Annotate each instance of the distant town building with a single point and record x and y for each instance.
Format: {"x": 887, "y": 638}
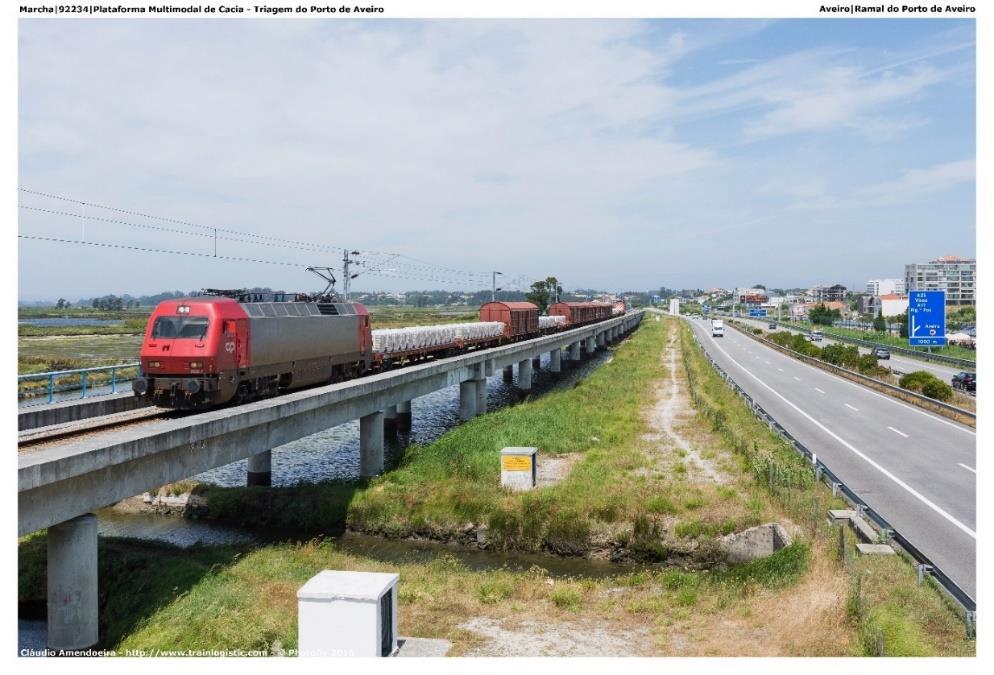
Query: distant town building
{"x": 885, "y": 287}
{"x": 822, "y": 293}
{"x": 751, "y": 296}
{"x": 887, "y": 305}
{"x": 952, "y": 274}
{"x": 799, "y": 312}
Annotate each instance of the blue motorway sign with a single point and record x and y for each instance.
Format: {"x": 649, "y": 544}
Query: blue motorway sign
{"x": 927, "y": 318}
{"x": 757, "y": 311}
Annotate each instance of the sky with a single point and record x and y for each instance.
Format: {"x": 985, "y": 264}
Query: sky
{"x": 613, "y": 154}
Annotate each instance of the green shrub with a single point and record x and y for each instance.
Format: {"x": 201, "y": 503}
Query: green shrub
{"x": 926, "y": 383}
{"x": 938, "y": 390}
{"x": 841, "y": 355}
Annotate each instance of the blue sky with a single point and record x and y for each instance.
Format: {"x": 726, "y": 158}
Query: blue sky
{"x": 611, "y": 153}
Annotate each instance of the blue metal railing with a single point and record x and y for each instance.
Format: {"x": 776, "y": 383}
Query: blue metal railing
{"x": 59, "y": 381}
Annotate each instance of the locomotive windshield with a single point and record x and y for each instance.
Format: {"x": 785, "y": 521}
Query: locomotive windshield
{"x": 180, "y": 327}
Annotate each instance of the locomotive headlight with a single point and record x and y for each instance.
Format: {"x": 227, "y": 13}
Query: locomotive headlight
{"x": 196, "y": 364}
{"x": 183, "y": 309}
{"x": 154, "y": 364}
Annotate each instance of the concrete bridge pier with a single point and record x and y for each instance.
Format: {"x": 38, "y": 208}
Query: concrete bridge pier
{"x": 525, "y": 375}
{"x": 591, "y": 347}
{"x": 574, "y": 351}
{"x": 488, "y": 368}
{"x": 467, "y": 400}
{"x": 404, "y": 417}
{"x": 509, "y": 374}
{"x": 371, "y": 444}
{"x": 481, "y": 395}
{"x": 73, "y": 614}
{"x": 555, "y": 361}
{"x": 390, "y": 419}
{"x": 260, "y": 469}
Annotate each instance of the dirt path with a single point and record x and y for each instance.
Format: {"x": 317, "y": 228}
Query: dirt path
{"x": 582, "y": 637}
{"x": 671, "y": 409}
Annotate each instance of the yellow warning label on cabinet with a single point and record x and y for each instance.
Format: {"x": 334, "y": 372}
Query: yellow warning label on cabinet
{"x": 516, "y": 463}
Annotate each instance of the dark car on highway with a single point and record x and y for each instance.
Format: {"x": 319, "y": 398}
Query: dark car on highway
{"x": 881, "y": 353}
{"x": 965, "y": 381}
{"x": 773, "y": 325}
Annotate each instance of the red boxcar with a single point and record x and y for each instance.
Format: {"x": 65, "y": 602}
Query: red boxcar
{"x": 519, "y": 318}
{"x": 579, "y": 313}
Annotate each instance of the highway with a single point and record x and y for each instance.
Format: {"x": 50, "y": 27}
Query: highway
{"x": 897, "y": 363}
{"x": 916, "y": 469}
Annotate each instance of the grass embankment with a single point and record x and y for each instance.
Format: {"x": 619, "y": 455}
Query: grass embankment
{"x": 954, "y": 351}
{"x": 621, "y": 499}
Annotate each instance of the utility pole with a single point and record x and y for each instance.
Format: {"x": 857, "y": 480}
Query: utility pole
{"x": 494, "y": 289}
{"x": 346, "y": 261}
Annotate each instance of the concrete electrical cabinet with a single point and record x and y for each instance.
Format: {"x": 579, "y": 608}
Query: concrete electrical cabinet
{"x": 518, "y": 468}
{"x": 348, "y": 614}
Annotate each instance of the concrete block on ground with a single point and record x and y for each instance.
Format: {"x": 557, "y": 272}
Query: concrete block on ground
{"x": 874, "y": 549}
{"x": 519, "y": 468}
{"x": 841, "y": 514}
{"x": 863, "y": 529}
{"x": 755, "y": 542}
{"x": 348, "y": 614}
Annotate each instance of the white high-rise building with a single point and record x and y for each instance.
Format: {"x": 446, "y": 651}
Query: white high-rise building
{"x": 880, "y": 287}
{"x": 954, "y": 275}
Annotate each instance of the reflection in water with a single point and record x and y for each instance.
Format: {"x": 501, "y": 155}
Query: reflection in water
{"x": 333, "y": 454}
{"x": 181, "y": 532}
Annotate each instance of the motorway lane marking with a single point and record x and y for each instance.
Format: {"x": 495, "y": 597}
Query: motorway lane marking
{"x": 797, "y": 378}
{"x": 780, "y": 369}
{"x": 898, "y": 432}
{"x": 890, "y": 399}
{"x": 819, "y": 390}
{"x": 851, "y": 407}
{"x": 917, "y": 495}
{"x": 968, "y": 468}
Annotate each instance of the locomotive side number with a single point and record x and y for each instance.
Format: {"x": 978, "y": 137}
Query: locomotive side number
{"x": 229, "y": 347}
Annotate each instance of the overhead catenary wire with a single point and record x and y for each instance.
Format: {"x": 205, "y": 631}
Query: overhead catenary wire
{"x": 392, "y": 265}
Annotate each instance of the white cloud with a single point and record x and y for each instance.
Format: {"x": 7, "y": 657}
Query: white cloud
{"x": 918, "y": 184}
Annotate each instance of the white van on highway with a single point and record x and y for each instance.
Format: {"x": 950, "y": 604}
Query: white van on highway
{"x": 717, "y": 328}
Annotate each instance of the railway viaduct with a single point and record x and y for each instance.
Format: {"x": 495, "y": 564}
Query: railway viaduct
{"x": 61, "y": 481}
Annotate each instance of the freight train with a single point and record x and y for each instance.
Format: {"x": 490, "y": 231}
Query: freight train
{"x": 234, "y": 346}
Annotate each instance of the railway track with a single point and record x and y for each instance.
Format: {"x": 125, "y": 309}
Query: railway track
{"x": 29, "y": 438}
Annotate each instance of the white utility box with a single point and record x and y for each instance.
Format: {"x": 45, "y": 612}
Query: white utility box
{"x": 348, "y": 614}
{"x": 519, "y": 468}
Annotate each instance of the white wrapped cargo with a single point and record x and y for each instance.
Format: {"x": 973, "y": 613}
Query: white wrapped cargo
{"x": 412, "y": 338}
{"x": 545, "y": 322}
